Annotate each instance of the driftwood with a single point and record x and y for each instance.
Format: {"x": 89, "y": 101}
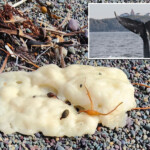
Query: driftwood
{"x": 19, "y": 3}
{"x": 16, "y": 32}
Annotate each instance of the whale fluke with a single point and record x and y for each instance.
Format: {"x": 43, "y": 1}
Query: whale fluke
{"x": 138, "y": 27}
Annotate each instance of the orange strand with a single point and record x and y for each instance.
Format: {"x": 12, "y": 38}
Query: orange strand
{"x": 96, "y": 113}
{"x": 140, "y": 84}
{"x": 138, "y": 108}
{"x": 112, "y": 110}
{"x": 88, "y": 93}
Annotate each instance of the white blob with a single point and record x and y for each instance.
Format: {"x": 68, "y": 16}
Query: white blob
{"x": 26, "y": 108}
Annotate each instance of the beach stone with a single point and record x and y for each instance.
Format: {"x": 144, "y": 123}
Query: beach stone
{"x": 48, "y": 3}
{"x": 117, "y": 147}
{"x": 146, "y": 98}
{"x": 147, "y": 127}
{"x": 145, "y": 137}
{"x": 61, "y": 1}
{"x": 148, "y": 90}
{"x": 71, "y": 50}
{"x": 28, "y": 30}
{"x": 73, "y": 25}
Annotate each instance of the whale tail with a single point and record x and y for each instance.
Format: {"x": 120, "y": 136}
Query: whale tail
{"x": 139, "y": 28}
{"x": 147, "y": 25}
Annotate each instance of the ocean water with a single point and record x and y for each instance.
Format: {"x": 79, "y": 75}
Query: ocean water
{"x": 115, "y": 45}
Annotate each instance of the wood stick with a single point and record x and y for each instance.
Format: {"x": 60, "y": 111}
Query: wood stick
{"x": 73, "y": 33}
{"x": 64, "y": 21}
{"x": 15, "y": 32}
{"x": 61, "y": 58}
{"x": 55, "y": 31}
{"x": 24, "y": 67}
{"x": 18, "y": 3}
{"x": 4, "y": 63}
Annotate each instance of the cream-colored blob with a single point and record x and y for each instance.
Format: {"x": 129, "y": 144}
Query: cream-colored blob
{"x": 25, "y": 107}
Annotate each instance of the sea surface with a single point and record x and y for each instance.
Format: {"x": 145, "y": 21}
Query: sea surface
{"x": 115, "y": 45}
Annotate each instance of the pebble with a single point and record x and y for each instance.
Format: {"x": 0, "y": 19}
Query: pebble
{"x": 28, "y": 30}
{"x": 133, "y": 133}
{"x": 117, "y": 146}
{"x": 38, "y": 135}
{"x": 48, "y": 3}
{"x": 61, "y": 1}
{"x": 146, "y": 98}
{"x": 147, "y": 127}
{"x": 71, "y": 50}
{"x": 148, "y": 90}
{"x": 144, "y": 137}
{"x": 138, "y": 113}
{"x": 73, "y": 25}
{"x": 104, "y": 134}
{"x": 59, "y": 148}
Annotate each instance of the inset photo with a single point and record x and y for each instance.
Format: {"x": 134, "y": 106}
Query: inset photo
{"x": 119, "y": 30}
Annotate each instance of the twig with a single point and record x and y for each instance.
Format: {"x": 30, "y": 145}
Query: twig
{"x": 73, "y": 33}
{"x": 28, "y": 60}
{"x": 10, "y": 51}
{"x": 16, "y": 61}
{"x": 67, "y": 43}
{"x": 48, "y": 45}
{"x": 4, "y": 63}
{"x": 23, "y": 67}
{"x": 19, "y": 3}
{"x": 17, "y": 19}
{"x": 55, "y": 31}
{"x": 64, "y": 21}
{"x": 84, "y": 27}
{"x": 46, "y": 25}
{"x": 61, "y": 58}
{"x": 42, "y": 53}
{"x": 23, "y": 57}
{"x": 15, "y": 32}
{"x": 4, "y": 51}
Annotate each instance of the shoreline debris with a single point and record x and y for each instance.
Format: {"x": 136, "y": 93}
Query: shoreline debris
{"x": 27, "y": 39}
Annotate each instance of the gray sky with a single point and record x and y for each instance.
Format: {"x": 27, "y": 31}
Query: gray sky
{"x": 101, "y": 11}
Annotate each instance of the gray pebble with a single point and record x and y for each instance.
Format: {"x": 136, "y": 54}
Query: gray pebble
{"x": 133, "y": 133}
{"x": 71, "y": 50}
{"x": 61, "y": 1}
{"x": 28, "y": 30}
{"x": 147, "y": 127}
{"x": 148, "y": 90}
{"x": 59, "y": 148}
